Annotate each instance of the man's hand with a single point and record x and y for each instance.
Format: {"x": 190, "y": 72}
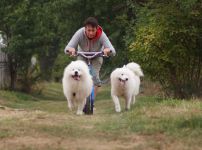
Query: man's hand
{"x": 72, "y": 51}
{"x": 106, "y": 51}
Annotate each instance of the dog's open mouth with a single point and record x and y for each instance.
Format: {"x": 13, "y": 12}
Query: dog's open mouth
{"x": 76, "y": 77}
{"x": 122, "y": 81}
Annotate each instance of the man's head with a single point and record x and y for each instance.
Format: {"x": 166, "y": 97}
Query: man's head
{"x": 91, "y": 25}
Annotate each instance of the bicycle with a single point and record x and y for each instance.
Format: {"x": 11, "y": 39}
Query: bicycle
{"x": 88, "y": 108}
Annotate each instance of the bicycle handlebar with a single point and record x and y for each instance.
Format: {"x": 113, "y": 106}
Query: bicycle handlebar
{"x": 90, "y": 55}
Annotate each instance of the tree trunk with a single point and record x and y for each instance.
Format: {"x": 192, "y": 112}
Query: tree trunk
{"x": 4, "y": 71}
{"x": 13, "y": 72}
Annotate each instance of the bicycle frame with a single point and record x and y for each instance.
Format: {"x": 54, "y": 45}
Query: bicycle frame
{"x": 89, "y": 56}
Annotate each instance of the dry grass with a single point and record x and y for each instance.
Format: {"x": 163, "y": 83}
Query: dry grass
{"x": 44, "y": 123}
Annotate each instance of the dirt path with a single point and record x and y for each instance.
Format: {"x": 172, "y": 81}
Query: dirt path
{"x": 41, "y": 141}
{"x": 23, "y": 138}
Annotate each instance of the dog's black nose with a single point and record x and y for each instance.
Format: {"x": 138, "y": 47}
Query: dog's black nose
{"x": 126, "y": 79}
{"x": 76, "y": 72}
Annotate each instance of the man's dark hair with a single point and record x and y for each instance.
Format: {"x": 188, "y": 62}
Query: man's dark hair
{"x": 91, "y": 21}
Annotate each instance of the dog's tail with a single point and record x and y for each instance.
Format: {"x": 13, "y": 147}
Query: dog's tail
{"x": 135, "y": 68}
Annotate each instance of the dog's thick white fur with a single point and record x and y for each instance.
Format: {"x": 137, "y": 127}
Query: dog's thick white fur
{"x": 125, "y": 83}
{"x": 77, "y": 84}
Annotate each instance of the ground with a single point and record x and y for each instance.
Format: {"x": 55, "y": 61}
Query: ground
{"x": 43, "y": 122}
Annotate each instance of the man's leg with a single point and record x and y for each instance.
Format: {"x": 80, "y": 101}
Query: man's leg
{"x": 97, "y": 63}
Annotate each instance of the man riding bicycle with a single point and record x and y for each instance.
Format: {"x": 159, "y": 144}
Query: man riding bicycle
{"x": 89, "y": 38}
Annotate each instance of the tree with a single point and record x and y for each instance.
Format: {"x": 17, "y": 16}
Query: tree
{"x": 30, "y": 30}
{"x": 168, "y": 44}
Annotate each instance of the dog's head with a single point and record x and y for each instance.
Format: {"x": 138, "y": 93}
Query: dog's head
{"x": 123, "y": 76}
{"x": 78, "y": 70}
{"x": 76, "y": 73}
{"x": 123, "y": 79}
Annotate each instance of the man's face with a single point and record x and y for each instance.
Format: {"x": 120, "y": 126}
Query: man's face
{"x": 90, "y": 31}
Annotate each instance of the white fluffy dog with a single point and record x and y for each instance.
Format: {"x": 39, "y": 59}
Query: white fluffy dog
{"x": 125, "y": 83}
{"x": 77, "y": 84}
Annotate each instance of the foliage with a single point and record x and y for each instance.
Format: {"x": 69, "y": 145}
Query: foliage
{"x": 167, "y": 44}
{"x": 19, "y": 24}
{"x": 60, "y": 63}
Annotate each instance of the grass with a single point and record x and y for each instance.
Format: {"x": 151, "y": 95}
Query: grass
{"x": 51, "y": 99}
{"x": 42, "y": 121}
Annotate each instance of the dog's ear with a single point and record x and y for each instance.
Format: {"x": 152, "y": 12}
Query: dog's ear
{"x": 71, "y": 62}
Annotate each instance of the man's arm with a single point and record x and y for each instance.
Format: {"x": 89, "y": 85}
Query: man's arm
{"x": 73, "y": 43}
{"x": 107, "y": 45}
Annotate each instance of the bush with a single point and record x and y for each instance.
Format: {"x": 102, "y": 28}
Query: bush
{"x": 168, "y": 44}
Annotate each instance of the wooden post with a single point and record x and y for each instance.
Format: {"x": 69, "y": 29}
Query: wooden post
{"x": 5, "y": 78}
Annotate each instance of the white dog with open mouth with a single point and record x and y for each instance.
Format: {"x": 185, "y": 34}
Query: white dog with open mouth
{"x": 77, "y": 84}
{"x": 125, "y": 83}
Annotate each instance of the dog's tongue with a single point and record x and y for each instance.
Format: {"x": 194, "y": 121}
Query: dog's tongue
{"x": 122, "y": 82}
{"x": 76, "y": 78}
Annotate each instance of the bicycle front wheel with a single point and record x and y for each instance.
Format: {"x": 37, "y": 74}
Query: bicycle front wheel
{"x": 88, "y": 109}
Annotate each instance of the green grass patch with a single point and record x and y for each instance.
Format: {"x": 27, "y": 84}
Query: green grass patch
{"x": 51, "y": 99}
{"x": 151, "y": 115}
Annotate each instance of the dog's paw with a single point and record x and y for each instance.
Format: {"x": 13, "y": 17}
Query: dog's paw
{"x": 117, "y": 109}
{"x": 79, "y": 112}
{"x": 70, "y": 108}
